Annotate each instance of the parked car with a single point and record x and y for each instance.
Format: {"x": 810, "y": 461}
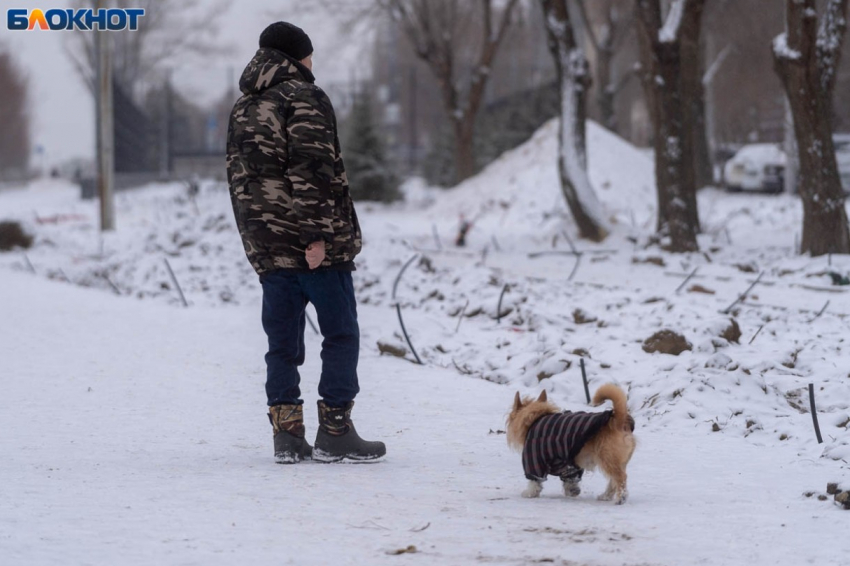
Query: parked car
{"x": 756, "y": 167}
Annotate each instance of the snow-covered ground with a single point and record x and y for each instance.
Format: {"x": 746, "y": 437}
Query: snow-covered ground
{"x": 135, "y": 429}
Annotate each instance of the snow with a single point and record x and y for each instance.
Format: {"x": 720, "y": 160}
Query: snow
{"x": 782, "y": 50}
{"x": 760, "y": 154}
{"x": 670, "y": 31}
{"x": 571, "y": 154}
{"x": 135, "y": 429}
{"x": 830, "y": 37}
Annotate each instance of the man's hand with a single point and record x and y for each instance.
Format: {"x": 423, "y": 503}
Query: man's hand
{"x": 315, "y": 254}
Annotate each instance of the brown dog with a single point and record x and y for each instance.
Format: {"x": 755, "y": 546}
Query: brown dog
{"x": 565, "y": 444}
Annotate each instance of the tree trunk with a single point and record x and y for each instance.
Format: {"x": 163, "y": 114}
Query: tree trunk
{"x": 433, "y": 28}
{"x": 693, "y": 91}
{"x": 693, "y": 97}
{"x": 647, "y": 80}
{"x": 573, "y": 81}
{"x": 673, "y": 144}
{"x": 806, "y": 65}
{"x": 605, "y": 86}
{"x": 464, "y": 134}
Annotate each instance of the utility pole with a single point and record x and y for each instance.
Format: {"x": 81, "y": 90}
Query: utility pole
{"x": 105, "y": 129}
{"x": 165, "y": 130}
{"x": 411, "y": 112}
{"x": 790, "y": 149}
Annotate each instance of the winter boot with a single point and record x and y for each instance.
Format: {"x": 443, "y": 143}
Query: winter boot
{"x": 289, "y": 443}
{"x": 337, "y": 439}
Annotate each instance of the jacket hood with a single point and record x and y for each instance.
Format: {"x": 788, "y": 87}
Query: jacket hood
{"x": 270, "y": 67}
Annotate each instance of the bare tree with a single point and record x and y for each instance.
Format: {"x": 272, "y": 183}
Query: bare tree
{"x": 573, "y": 82}
{"x": 607, "y": 26}
{"x": 440, "y": 30}
{"x": 169, "y": 29}
{"x": 14, "y": 115}
{"x": 693, "y": 96}
{"x": 661, "y": 74}
{"x": 806, "y": 58}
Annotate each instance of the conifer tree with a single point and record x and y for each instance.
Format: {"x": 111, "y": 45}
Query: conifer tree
{"x": 369, "y": 174}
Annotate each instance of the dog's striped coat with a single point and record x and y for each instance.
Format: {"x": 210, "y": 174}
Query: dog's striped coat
{"x": 555, "y": 440}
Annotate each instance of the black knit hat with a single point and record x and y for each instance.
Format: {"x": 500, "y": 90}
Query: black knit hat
{"x": 290, "y": 39}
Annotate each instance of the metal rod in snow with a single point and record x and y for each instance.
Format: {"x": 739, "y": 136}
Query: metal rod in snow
{"x": 535, "y": 255}
{"x": 688, "y": 278}
{"x": 401, "y": 272}
{"x": 499, "y": 306}
{"x": 312, "y": 324}
{"x": 743, "y": 295}
{"x": 436, "y": 237}
{"x": 584, "y": 379}
{"x": 820, "y": 312}
{"x": 756, "y": 334}
{"x": 406, "y": 337}
{"x": 575, "y": 267}
{"x": 570, "y": 242}
{"x": 29, "y": 264}
{"x": 111, "y": 284}
{"x": 460, "y": 316}
{"x": 398, "y": 308}
{"x": 176, "y": 283}
{"x": 814, "y": 412}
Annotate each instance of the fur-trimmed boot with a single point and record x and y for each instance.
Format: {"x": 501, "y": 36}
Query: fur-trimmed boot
{"x": 290, "y": 446}
{"x": 337, "y": 439}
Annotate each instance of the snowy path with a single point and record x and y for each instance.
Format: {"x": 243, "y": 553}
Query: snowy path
{"x": 135, "y": 433}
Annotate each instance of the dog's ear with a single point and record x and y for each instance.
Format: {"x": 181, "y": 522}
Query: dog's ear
{"x": 517, "y": 402}
{"x": 542, "y": 397}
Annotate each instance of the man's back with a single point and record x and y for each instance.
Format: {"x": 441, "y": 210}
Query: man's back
{"x": 287, "y": 179}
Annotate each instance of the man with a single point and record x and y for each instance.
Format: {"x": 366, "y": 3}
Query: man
{"x": 297, "y": 221}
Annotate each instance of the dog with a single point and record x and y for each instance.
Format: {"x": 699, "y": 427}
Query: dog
{"x": 566, "y": 444}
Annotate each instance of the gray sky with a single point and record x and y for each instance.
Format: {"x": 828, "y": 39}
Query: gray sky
{"x": 63, "y": 110}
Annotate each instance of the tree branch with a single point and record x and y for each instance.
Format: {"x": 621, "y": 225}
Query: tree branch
{"x": 829, "y": 42}
{"x": 714, "y": 68}
{"x": 594, "y": 41}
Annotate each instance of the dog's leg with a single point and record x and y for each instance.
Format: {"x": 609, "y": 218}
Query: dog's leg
{"x": 571, "y": 488}
{"x": 616, "y": 490}
{"x": 609, "y": 492}
{"x": 533, "y": 490}
{"x": 621, "y": 493}
{"x": 570, "y": 480}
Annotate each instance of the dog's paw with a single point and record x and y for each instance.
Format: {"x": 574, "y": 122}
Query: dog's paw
{"x": 572, "y": 489}
{"x": 533, "y": 490}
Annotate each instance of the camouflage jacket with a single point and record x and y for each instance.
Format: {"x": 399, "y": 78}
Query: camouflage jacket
{"x": 287, "y": 181}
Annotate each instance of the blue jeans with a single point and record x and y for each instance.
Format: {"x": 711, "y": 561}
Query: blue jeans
{"x": 285, "y": 296}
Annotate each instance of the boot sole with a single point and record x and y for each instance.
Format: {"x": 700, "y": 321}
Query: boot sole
{"x": 324, "y": 458}
{"x": 287, "y": 459}
{"x": 292, "y": 458}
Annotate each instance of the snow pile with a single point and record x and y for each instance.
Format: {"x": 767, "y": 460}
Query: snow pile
{"x": 517, "y": 306}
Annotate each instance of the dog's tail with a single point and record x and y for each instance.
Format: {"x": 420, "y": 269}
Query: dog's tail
{"x": 611, "y": 392}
